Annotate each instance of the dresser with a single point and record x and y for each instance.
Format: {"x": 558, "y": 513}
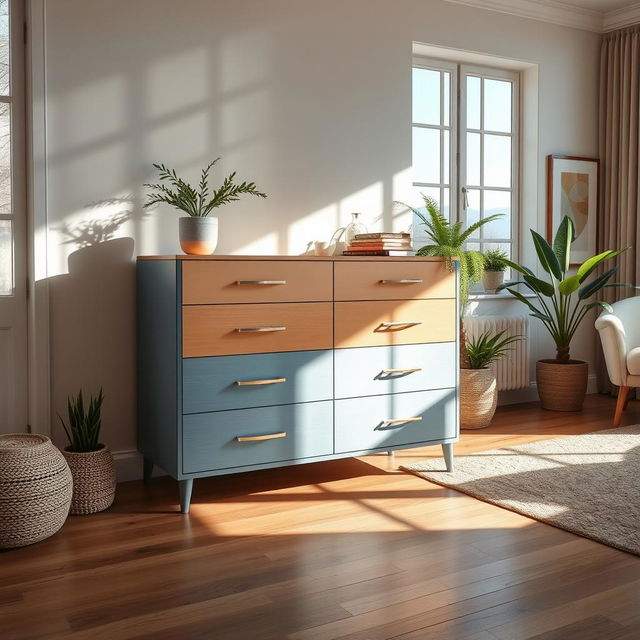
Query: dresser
{"x": 250, "y": 362}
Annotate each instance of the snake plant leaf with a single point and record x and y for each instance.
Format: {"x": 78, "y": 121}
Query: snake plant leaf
{"x": 597, "y": 284}
{"x": 562, "y": 242}
{"x": 588, "y": 266}
{"x": 540, "y": 286}
{"x": 569, "y": 285}
{"x": 546, "y": 255}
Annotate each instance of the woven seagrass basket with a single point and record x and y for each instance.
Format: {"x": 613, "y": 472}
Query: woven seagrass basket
{"x": 35, "y": 489}
{"x": 478, "y": 397}
{"x": 562, "y": 386}
{"x": 94, "y": 480}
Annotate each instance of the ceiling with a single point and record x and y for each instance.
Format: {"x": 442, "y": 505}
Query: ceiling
{"x": 591, "y": 15}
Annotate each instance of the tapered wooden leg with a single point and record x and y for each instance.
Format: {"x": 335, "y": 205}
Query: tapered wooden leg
{"x": 447, "y": 452}
{"x": 623, "y": 395}
{"x": 147, "y": 470}
{"x": 626, "y": 402}
{"x": 185, "y": 487}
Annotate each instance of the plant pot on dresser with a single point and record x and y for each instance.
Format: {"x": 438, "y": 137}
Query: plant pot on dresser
{"x": 248, "y": 363}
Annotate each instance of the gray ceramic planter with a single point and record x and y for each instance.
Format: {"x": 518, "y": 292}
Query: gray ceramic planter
{"x": 198, "y": 236}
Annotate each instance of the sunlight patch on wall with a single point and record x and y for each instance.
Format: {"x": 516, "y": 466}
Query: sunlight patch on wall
{"x": 264, "y": 246}
{"x": 318, "y": 225}
{"x": 244, "y": 60}
{"x": 369, "y": 202}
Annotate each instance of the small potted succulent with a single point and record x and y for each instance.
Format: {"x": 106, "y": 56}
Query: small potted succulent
{"x": 90, "y": 461}
{"x": 198, "y": 229}
{"x": 495, "y": 264}
{"x": 478, "y": 386}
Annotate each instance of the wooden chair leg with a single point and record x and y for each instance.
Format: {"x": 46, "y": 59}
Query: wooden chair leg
{"x": 626, "y": 402}
{"x": 623, "y": 395}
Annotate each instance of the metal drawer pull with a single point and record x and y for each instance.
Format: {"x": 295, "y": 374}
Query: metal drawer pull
{"x": 253, "y": 383}
{"x": 259, "y": 329}
{"x": 392, "y": 371}
{"x": 261, "y": 282}
{"x": 267, "y": 436}
{"x": 402, "y": 281}
{"x": 402, "y": 420}
{"x": 400, "y": 323}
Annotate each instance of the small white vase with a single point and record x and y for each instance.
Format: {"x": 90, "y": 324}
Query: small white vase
{"x": 491, "y": 280}
{"x": 198, "y": 236}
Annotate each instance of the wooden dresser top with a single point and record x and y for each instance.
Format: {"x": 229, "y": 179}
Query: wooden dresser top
{"x": 302, "y": 257}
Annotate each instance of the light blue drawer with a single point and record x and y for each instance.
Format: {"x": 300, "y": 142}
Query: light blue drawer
{"x": 361, "y": 371}
{"x": 360, "y": 422}
{"x": 210, "y": 440}
{"x": 210, "y": 384}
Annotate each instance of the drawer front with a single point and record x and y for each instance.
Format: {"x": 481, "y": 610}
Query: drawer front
{"x": 249, "y": 281}
{"x": 211, "y": 384}
{"x": 211, "y": 330}
{"x": 385, "y": 323}
{"x": 361, "y": 423}
{"x": 210, "y": 440}
{"x": 380, "y": 280}
{"x": 371, "y": 371}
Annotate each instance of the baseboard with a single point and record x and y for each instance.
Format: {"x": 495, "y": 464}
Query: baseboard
{"x": 530, "y": 393}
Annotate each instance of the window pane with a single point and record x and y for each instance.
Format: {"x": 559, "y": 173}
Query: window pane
{"x": 473, "y": 158}
{"x": 497, "y": 161}
{"x": 497, "y": 202}
{"x": 6, "y": 258}
{"x": 473, "y": 102}
{"x": 473, "y": 246}
{"x": 445, "y": 157}
{"x": 4, "y": 47}
{"x": 426, "y": 96}
{"x": 497, "y": 105}
{"x": 417, "y": 202}
{"x": 446, "y": 207}
{"x": 447, "y": 90}
{"x": 5, "y": 158}
{"x": 473, "y": 209}
{"x": 426, "y": 155}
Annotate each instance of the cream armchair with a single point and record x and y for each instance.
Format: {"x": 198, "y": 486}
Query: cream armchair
{"x": 620, "y": 336}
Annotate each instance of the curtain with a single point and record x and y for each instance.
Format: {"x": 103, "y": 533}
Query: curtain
{"x": 619, "y": 143}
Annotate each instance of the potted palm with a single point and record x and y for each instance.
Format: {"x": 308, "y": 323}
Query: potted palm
{"x": 91, "y": 462}
{"x": 198, "y": 229}
{"x": 561, "y": 303}
{"x": 494, "y": 267}
{"x": 478, "y": 387}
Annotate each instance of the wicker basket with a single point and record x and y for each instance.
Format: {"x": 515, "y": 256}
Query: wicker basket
{"x": 478, "y": 397}
{"x": 562, "y": 387}
{"x": 94, "y": 480}
{"x": 35, "y": 489}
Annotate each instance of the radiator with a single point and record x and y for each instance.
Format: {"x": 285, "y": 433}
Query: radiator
{"x": 512, "y": 371}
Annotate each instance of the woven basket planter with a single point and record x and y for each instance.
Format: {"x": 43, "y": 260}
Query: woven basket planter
{"x": 562, "y": 387}
{"x": 94, "y": 480}
{"x": 35, "y": 489}
{"x": 478, "y": 398}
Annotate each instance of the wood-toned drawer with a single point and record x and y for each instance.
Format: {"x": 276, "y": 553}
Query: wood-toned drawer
{"x": 381, "y": 280}
{"x": 211, "y": 330}
{"x": 246, "y": 437}
{"x": 383, "y": 422}
{"x": 383, "y": 323}
{"x": 256, "y": 380}
{"x": 371, "y": 371}
{"x": 250, "y": 281}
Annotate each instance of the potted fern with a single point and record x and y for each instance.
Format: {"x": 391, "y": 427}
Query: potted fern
{"x": 91, "y": 462}
{"x": 494, "y": 267}
{"x": 198, "y": 229}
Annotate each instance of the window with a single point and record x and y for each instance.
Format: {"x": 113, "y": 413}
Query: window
{"x": 465, "y": 137}
{"x": 6, "y": 209}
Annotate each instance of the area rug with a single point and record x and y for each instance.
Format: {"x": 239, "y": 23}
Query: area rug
{"x": 588, "y": 484}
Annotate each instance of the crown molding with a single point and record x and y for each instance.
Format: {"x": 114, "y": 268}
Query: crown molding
{"x": 620, "y": 18}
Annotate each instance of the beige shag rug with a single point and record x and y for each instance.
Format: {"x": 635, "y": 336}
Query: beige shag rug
{"x": 588, "y": 484}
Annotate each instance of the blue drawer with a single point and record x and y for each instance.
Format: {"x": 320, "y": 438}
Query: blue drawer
{"x": 369, "y": 371}
{"x": 210, "y": 384}
{"x": 210, "y": 440}
{"x": 360, "y": 423}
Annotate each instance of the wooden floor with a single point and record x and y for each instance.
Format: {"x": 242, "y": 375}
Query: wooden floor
{"x": 349, "y": 549}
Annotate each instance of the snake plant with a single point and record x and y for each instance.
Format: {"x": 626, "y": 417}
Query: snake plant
{"x": 83, "y": 429}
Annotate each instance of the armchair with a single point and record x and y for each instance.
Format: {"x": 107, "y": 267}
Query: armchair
{"x": 620, "y": 336}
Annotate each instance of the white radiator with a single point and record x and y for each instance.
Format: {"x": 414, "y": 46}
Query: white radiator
{"x": 512, "y": 371}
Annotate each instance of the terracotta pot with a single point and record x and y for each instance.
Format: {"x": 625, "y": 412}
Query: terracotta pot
{"x": 562, "y": 387}
{"x": 478, "y": 398}
{"x": 198, "y": 236}
{"x": 491, "y": 280}
{"x": 94, "y": 480}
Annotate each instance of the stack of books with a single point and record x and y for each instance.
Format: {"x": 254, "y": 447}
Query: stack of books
{"x": 380, "y": 244}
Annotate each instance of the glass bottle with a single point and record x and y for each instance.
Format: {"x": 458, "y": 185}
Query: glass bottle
{"x": 353, "y": 228}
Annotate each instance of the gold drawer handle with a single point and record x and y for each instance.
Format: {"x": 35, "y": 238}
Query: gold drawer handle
{"x": 397, "y": 371}
{"x": 267, "y": 436}
{"x": 402, "y": 281}
{"x": 400, "y": 323}
{"x": 402, "y": 420}
{"x": 253, "y": 383}
{"x": 261, "y": 282}
{"x": 259, "y": 329}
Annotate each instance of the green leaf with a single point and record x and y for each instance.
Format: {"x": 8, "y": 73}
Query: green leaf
{"x": 588, "y": 266}
{"x": 604, "y": 305}
{"x": 546, "y": 255}
{"x": 597, "y": 284}
{"x": 540, "y": 286}
{"x": 541, "y": 316}
{"x": 517, "y": 294}
{"x": 519, "y": 268}
{"x": 562, "y": 242}
{"x": 569, "y": 285}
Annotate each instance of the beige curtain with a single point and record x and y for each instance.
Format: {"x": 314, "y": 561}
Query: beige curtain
{"x": 619, "y": 138}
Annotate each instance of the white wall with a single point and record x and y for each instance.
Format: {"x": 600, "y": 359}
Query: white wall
{"x": 311, "y": 99}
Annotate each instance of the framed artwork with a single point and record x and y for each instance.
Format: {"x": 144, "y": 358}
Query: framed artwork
{"x": 572, "y": 190}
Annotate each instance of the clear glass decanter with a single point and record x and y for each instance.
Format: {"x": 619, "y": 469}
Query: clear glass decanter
{"x": 353, "y": 228}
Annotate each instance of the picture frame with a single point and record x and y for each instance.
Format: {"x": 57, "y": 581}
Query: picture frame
{"x": 572, "y": 189}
